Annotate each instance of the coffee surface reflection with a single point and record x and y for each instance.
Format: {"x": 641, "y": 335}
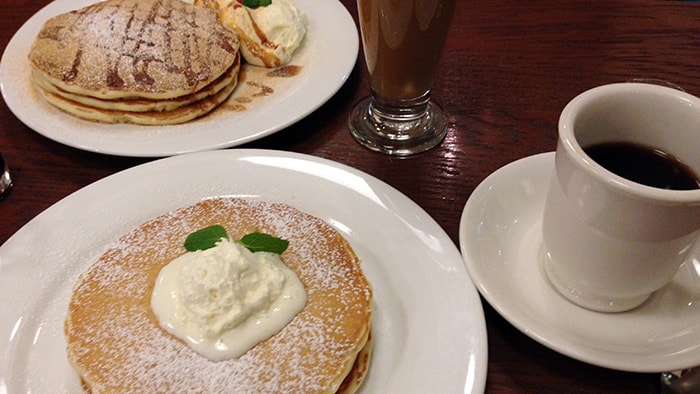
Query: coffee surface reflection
{"x": 644, "y": 164}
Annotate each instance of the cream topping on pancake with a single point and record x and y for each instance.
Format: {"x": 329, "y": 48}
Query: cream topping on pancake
{"x": 223, "y": 300}
{"x": 269, "y": 34}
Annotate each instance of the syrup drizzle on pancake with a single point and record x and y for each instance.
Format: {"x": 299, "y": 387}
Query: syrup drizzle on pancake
{"x": 131, "y": 46}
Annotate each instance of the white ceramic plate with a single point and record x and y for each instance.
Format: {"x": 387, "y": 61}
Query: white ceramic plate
{"x": 500, "y": 241}
{"x": 428, "y": 321}
{"x": 327, "y": 56}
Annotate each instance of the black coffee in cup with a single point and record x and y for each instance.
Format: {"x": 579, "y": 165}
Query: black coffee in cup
{"x": 643, "y": 164}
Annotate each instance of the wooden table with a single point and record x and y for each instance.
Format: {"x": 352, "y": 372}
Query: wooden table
{"x": 509, "y": 68}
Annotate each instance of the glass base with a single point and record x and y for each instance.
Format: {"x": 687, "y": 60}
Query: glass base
{"x": 5, "y": 180}
{"x": 397, "y": 135}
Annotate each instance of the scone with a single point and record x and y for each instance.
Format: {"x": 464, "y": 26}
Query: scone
{"x": 137, "y": 61}
{"x": 115, "y": 342}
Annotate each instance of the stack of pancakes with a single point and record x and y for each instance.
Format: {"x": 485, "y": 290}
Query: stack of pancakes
{"x": 116, "y": 344}
{"x": 147, "y": 62}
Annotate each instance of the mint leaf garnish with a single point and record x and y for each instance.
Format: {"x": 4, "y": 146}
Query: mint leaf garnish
{"x": 256, "y": 3}
{"x": 205, "y": 238}
{"x": 209, "y": 236}
{"x": 259, "y": 242}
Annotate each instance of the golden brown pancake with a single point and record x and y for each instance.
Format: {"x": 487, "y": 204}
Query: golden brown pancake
{"x": 128, "y": 60}
{"x": 227, "y": 80}
{"x": 156, "y": 49}
{"x": 358, "y": 373}
{"x": 168, "y": 111}
{"x": 116, "y": 345}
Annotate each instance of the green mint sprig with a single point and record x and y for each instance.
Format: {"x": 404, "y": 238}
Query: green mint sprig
{"x": 256, "y": 3}
{"x": 205, "y": 238}
{"x": 208, "y": 237}
{"x": 259, "y": 242}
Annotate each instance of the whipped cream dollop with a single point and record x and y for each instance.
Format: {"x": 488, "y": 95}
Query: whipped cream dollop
{"x": 224, "y": 300}
{"x": 271, "y": 34}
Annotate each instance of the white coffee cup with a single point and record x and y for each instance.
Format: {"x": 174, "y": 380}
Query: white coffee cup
{"x": 610, "y": 242}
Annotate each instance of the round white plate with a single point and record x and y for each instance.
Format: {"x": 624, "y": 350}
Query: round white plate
{"x": 327, "y": 57}
{"x": 500, "y": 241}
{"x": 428, "y": 321}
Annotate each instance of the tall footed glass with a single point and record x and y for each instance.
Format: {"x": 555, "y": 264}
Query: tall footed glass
{"x": 402, "y": 42}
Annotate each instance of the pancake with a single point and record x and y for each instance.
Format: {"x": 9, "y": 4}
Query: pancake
{"x": 227, "y": 80}
{"x": 116, "y": 345}
{"x": 354, "y": 379}
{"x": 166, "y": 112}
{"x": 152, "y": 62}
{"x": 116, "y": 49}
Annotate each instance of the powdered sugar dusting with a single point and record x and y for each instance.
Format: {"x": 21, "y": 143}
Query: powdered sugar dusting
{"x": 112, "y": 332}
{"x": 133, "y": 48}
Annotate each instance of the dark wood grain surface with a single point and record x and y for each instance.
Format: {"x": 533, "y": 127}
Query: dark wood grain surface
{"x": 508, "y": 69}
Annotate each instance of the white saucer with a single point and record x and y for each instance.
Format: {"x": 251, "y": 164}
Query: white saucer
{"x": 500, "y": 242}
